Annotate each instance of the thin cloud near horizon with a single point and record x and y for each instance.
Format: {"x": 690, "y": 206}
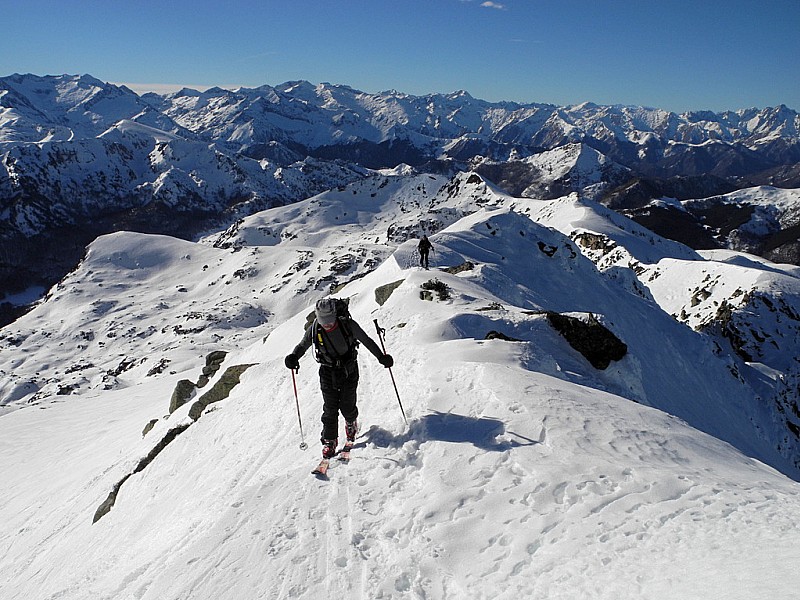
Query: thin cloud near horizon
{"x": 488, "y": 4}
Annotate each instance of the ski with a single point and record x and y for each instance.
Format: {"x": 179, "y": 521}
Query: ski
{"x": 322, "y": 468}
{"x": 344, "y": 453}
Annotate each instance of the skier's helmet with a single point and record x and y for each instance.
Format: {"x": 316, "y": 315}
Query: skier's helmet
{"x": 326, "y": 312}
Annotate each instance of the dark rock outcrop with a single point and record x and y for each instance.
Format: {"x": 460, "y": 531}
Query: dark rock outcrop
{"x": 219, "y": 391}
{"x": 383, "y": 292}
{"x": 596, "y": 343}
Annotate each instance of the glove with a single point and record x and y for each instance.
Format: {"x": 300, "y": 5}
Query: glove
{"x": 386, "y": 360}
{"x": 292, "y": 362}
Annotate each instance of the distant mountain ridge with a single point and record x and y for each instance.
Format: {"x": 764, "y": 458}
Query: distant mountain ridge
{"x": 80, "y": 157}
{"x": 300, "y": 114}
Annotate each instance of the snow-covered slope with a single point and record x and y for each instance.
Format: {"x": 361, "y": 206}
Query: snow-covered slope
{"x": 762, "y": 220}
{"x": 577, "y": 168}
{"x": 69, "y": 107}
{"x": 523, "y": 471}
{"x": 141, "y": 302}
{"x": 748, "y": 305}
{"x": 132, "y": 167}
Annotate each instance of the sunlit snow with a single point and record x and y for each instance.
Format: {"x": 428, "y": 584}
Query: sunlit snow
{"x": 524, "y": 472}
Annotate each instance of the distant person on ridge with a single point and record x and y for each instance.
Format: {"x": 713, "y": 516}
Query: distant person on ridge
{"x": 424, "y": 247}
{"x": 335, "y": 336}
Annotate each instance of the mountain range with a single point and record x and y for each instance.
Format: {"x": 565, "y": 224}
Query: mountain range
{"x": 80, "y": 158}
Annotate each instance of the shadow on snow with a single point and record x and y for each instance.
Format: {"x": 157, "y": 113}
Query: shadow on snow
{"x": 481, "y": 432}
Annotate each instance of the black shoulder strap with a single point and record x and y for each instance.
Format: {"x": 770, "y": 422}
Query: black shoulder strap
{"x": 344, "y": 323}
{"x": 326, "y": 354}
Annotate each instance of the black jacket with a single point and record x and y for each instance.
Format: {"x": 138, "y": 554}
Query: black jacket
{"x": 337, "y": 340}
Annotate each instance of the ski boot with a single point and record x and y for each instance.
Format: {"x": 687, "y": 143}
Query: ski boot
{"x": 329, "y": 448}
{"x": 351, "y": 430}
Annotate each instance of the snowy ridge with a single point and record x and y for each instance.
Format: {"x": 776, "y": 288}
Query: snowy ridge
{"x": 773, "y": 212}
{"x": 573, "y": 168}
{"x": 236, "y": 283}
{"x": 523, "y": 472}
{"x": 131, "y": 165}
{"x": 314, "y": 116}
{"x": 744, "y": 303}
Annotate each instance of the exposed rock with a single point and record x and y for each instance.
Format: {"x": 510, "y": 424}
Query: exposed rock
{"x": 638, "y": 192}
{"x": 467, "y": 266}
{"x": 159, "y": 368}
{"x": 149, "y": 427}
{"x": 547, "y": 249}
{"x": 596, "y": 343}
{"x": 213, "y": 363}
{"x": 221, "y": 390}
{"x": 383, "y": 292}
{"x": 595, "y": 241}
{"x": 108, "y": 503}
{"x": 184, "y": 390}
{"x": 496, "y": 335}
{"x": 434, "y": 285}
{"x": 490, "y": 307}
{"x": 125, "y": 365}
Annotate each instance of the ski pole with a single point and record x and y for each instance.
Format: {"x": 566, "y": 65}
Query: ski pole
{"x": 383, "y": 347}
{"x": 303, "y": 445}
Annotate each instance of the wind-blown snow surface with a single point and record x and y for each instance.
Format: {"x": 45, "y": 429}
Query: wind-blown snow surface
{"x": 522, "y": 473}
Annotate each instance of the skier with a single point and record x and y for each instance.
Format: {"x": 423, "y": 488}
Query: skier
{"x": 335, "y": 336}
{"x": 424, "y": 247}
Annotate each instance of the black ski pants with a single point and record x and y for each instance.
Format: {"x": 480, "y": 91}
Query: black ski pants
{"x": 339, "y": 387}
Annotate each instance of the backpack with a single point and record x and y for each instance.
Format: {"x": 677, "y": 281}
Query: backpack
{"x": 324, "y": 353}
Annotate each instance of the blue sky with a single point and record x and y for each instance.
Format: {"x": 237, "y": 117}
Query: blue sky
{"x": 673, "y": 54}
